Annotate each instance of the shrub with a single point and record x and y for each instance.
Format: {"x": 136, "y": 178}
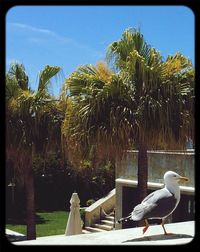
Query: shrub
{"x": 90, "y": 202}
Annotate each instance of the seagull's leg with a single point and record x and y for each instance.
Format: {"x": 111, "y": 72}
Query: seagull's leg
{"x": 146, "y": 226}
{"x": 163, "y": 222}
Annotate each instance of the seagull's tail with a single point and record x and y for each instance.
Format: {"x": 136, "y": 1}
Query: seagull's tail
{"x": 125, "y": 219}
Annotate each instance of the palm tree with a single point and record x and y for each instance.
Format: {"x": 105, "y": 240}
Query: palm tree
{"x": 95, "y": 94}
{"x": 160, "y": 90}
{"x": 146, "y": 103}
{"x": 29, "y": 119}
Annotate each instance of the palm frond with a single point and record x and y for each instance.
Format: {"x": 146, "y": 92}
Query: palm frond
{"x": 17, "y": 71}
{"x": 45, "y": 77}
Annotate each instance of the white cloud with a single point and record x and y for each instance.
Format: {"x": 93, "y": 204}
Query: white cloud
{"x": 49, "y": 33}
{"x": 37, "y": 38}
{"x": 40, "y": 31}
{"x": 31, "y": 28}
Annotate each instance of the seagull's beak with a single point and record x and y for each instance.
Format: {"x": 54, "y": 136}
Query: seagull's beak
{"x": 183, "y": 179}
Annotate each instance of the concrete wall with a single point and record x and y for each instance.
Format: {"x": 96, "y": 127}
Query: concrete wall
{"x": 159, "y": 162}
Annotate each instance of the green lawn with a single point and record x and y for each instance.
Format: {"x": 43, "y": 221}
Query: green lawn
{"x": 53, "y": 223}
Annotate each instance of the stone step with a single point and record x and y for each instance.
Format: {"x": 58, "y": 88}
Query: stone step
{"x": 111, "y": 218}
{"x": 103, "y": 227}
{"x": 94, "y": 229}
{"x": 84, "y": 231}
{"x": 107, "y": 222}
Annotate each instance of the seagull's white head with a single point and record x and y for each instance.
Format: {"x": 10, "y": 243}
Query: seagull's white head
{"x": 171, "y": 177}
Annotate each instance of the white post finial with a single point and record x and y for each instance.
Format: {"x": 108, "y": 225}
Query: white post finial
{"x": 74, "y": 223}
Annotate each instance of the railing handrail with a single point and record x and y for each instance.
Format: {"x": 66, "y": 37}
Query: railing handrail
{"x": 93, "y": 212}
{"x": 152, "y": 185}
{"x": 99, "y": 202}
{"x": 168, "y": 152}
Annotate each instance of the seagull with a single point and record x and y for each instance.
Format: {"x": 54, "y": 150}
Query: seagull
{"x": 160, "y": 203}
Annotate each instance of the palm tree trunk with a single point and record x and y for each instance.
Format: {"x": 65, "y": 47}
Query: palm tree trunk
{"x": 30, "y": 204}
{"x": 142, "y": 174}
{"x": 142, "y": 171}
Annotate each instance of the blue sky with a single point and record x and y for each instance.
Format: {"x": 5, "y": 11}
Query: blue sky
{"x": 69, "y": 36}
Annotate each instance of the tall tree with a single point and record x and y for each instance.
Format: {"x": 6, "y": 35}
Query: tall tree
{"x": 160, "y": 89}
{"x": 145, "y": 103}
{"x": 29, "y": 119}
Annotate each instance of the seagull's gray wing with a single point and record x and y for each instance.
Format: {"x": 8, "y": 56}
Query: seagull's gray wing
{"x": 158, "y": 204}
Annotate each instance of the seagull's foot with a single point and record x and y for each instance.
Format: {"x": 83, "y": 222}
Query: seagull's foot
{"x": 146, "y": 226}
{"x": 145, "y": 229}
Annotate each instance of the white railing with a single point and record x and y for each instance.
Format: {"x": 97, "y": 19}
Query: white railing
{"x": 94, "y": 212}
{"x": 188, "y": 190}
